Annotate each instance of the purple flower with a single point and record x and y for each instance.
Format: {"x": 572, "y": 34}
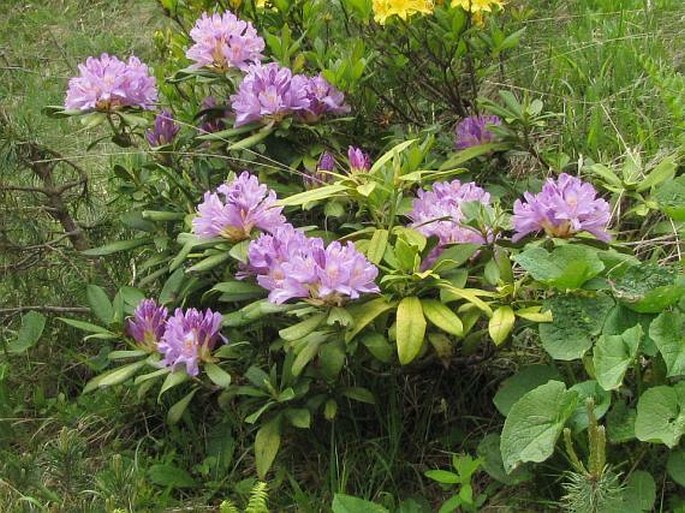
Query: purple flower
{"x": 322, "y": 174}
{"x": 269, "y": 92}
{"x": 222, "y": 41}
{"x": 213, "y": 120}
{"x": 291, "y": 265}
{"x": 164, "y": 131}
{"x": 473, "y": 131}
{"x": 246, "y": 204}
{"x": 106, "y": 84}
{"x": 438, "y": 212}
{"x": 323, "y": 99}
{"x": 563, "y": 208}
{"x": 359, "y": 161}
{"x": 189, "y": 338}
{"x": 148, "y": 324}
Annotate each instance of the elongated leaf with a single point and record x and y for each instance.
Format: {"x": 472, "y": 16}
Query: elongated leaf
{"x": 441, "y": 316}
{"x": 99, "y": 303}
{"x": 307, "y": 353}
{"x": 360, "y": 394}
{"x": 210, "y": 262}
{"x": 381, "y": 161}
{"x": 174, "y": 378}
{"x": 348, "y": 504}
{"x": 238, "y": 290}
{"x": 411, "y": 329}
{"x": 303, "y": 328}
{"x": 470, "y": 295}
{"x": 114, "y": 376}
{"x": 364, "y": 313}
{"x": 501, "y": 323}
{"x": 219, "y": 376}
{"x": 85, "y": 326}
{"x": 32, "y": 326}
{"x": 171, "y": 476}
{"x": 318, "y": 194}
{"x": 116, "y": 247}
{"x": 377, "y": 245}
{"x": 178, "y": 409}
{"x": 267, "y": 443}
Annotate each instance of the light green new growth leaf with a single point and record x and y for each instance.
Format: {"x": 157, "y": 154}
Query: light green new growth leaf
{"x": 501, "y": 323}
{"x": 411, "y": 329}
{"x": 441, "y": 316}
{"x": 535, "y": 423}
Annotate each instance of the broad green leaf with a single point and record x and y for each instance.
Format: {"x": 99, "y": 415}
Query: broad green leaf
{"x": 266, "y": 445}
{"x": 662, "y": 172}
{"x": 567, "y": 267}
{"x": 501, "y": 323}
{"x": 612, "y": 356}
{"x": 299, "y": 417}
{"x": 99, "y": 303}
{"x": 219, "y": 376}
{"x": 518, "y": 385}
{"x": 332, "y": 359}
{"x": 365, "y": 313}
{"x": 32, "y": 326}
{"x": 171, "y": 476}
{"x": 640, "y": 490}
{"x": 576, "y": 319}
{"x": 302, "y": 328}
{"x": 648, "y": 287}
{"x": 411, "y": 329}
{"x": 378, "y": 346}
{"x": 676, "y": 466}
{"x": 661, "y": 415}
{"x": 318, "y": 194}
{"x": 455, "y": 255}
{"x": 85, "y": 326}
{"x": 178, "y": 409}
{"x": 377, "y": 245}
{"x": 491, "y": 460}
{"x": 116, "y": 247}
{"x": 348, "y": 504}
{"x": 443, "y": 317}
{"x": 671, "y": 198}
{"x": 668, "y": 333}
{"x": 620, "y": 422}
{"x": 535, "y": 423}
{"x": 588, "y": 389}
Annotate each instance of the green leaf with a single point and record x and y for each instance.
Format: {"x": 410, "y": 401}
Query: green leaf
{"x": 442, "y": 317}
{"x": 171, "y": 476}
{"x": 535, "y": 423}
{"x": 602, "y": 399}
{"x": 491, "y": 460}
{"x": 411, "y": 329}
{"x": 364, "y": 313}
{"x": 518, "y": 385}
{"x": 397, "y": 149}
{"x": 114, "y": 376}
{"x": 116, "y": 247}
{"x": 640, "y": 490}
{"x": 567, "y": 267}
{"x": 236, "y": 290}
{"x": 299, "y": 417}
{"x": 377, "y": 245}
{"x": 576, "y": 319}
{"x": 348, "y": 504}
{"x": 306, "y": 350}
{"x": 501, "y": 323}
{"x": 99, "y": 303}
{"x": 210, "y": 262}
{"x": 620, "y": 423}
{"x": 267, "y": 443}
{"x": 318, "y": 194}
{"x": 661, "y": 415}
{"x": 648, "y": 287}
{"x": 378, "y": 346}
{"x": 178, "y": 409}
{"x": 443, "y": 476}
{"x": 172, "y": 380}
{"x": 455, "y": 255}
{"x": 359, "y": 394}
{"x": 675, "y": 466}
{"x": 219, "y": 376}
{"x": 668, "y": 333}
{"x": 32, "y": 326}
{"x": 662, "y": 172}
{"x": 303, "y": 328}
{"x": 671, "y": 198}
{"x": 85, "y": 326}
{"x": 612, "y": 356}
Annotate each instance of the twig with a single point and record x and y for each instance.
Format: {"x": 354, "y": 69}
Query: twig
{"x": 45, "y": 308}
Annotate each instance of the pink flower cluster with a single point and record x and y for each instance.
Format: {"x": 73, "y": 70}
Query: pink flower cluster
{"x": 237, "y": 208}
{"x": 186, "y": 338}
{"x": 106, "y": 83}
{"x": 291, "y": 265}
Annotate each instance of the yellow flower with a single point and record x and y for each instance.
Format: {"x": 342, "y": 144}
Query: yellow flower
{"x": 478, "y": 6}
{"x": 383, "y": 9}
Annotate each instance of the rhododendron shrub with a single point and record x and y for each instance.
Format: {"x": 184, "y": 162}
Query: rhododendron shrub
{"x": 303, "y": 240}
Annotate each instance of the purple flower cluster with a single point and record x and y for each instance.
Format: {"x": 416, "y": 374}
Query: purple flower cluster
{"x": 246, "y": 205}
{"x": 106, "y": 84}
{"x": 563, "y": 208}
{"x": 359, "y": 160}
{"x": 473, "y": 131}
{"x": 292, "y": 265}
{"x": 438, "y": 212}
{"x": 222, "y": 41}
{"x": 271, "y": 92}
{"x": 186, "y": 338}
{"x": 148, "y": 324}
{"x": 189, "y": 338}
{"x": 164, "y": 131}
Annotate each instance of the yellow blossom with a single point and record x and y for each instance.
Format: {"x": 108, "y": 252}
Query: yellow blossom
{"x": 478, "y": 6}
{"x": 383, "y": 9}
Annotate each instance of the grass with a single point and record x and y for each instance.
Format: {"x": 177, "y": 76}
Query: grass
{"x": 607, "y": 66}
